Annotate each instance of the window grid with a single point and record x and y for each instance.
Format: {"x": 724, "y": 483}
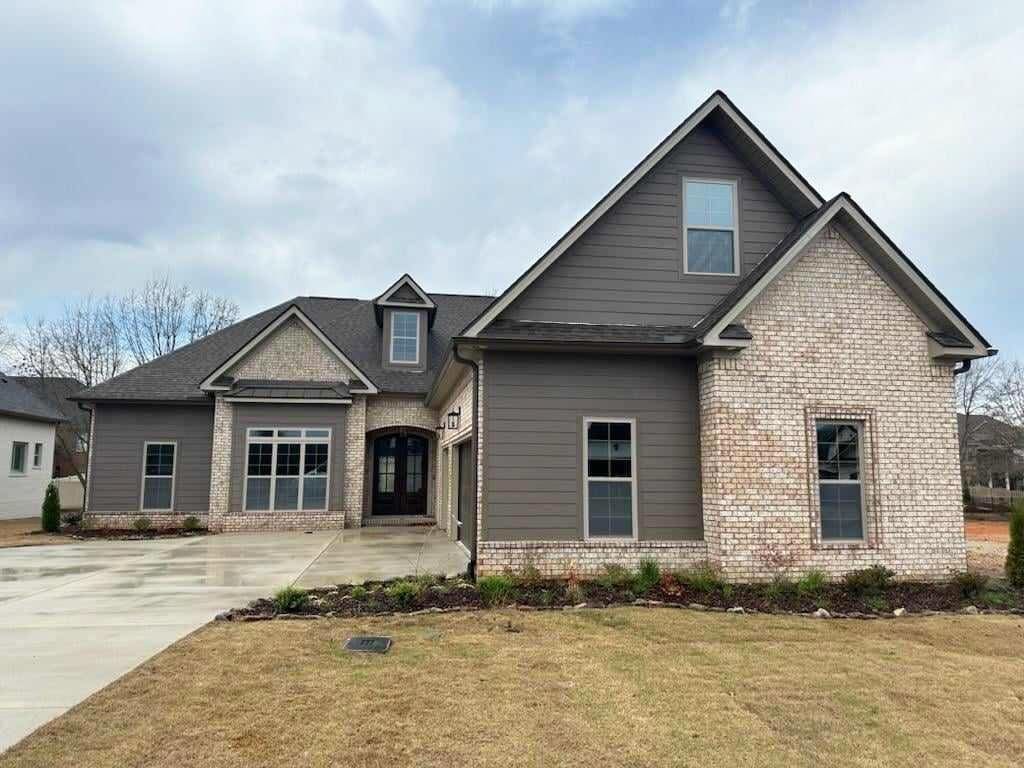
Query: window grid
{"x": 609, "y": 476}
{"x": 287, "y": 469}
{"x": 159, "y": 461}
{"x": 405, "y": 337}
{"x": 840, "y": 485}
{"x": 19, "y": 452}
{"x": 37, "y": 456}
{"x": 703, "y": 219}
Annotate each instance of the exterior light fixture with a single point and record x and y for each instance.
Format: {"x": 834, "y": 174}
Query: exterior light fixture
{"x": 453, "y": 418}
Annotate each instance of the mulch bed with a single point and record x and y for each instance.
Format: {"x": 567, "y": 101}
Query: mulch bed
{"x": 382, "y": 598}
{"x": 129, "y": 534}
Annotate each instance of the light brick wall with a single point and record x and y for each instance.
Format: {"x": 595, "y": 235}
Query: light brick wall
{"x": 460, "y": 399}
{"x": 220, "y": 459}
{"x": 292, "y": 353}
{"x": 355, "y": 457}
{"x": 584, "y": 558}
{"x": 831, "y": 340}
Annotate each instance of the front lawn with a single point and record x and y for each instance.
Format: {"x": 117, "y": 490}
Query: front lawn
{"x": 624, "y": 686}
{"x": 25, "y": 532}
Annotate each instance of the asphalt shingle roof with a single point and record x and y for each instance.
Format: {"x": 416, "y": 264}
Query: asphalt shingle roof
{"x": 56, "y": 390}
{"x": 349, "y": 324}
{"x": 18, "y": 400}
{"x": 290, "y": 390}
{"x": 527, "y": 330}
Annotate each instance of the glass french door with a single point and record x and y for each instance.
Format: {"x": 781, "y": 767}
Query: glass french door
{"x": 400, "y": 475}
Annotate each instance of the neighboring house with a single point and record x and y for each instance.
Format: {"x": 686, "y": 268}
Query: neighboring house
{"x": 27, "y": 429}
{"x": 713, "y": 364}
{"x": 994, "y": 452}
{"x": 70, "y": 451}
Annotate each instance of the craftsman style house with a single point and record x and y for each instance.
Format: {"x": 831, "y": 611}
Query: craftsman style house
{"x": 714, "y": 364}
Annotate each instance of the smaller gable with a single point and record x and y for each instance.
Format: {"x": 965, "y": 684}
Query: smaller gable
{"x": 291, "y": 348}
{"x": 404, "y": 292}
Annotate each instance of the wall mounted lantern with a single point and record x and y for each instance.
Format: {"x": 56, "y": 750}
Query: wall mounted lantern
{"x": 453, "y": 418}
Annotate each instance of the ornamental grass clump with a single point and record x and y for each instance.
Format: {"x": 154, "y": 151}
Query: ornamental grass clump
{"x": 495, "y": 590}
{"x": 647, "y": 577}
{"x": 1015, "y": 551}
{"x": 405, "y": 592}
{"x": 290, "y": 600}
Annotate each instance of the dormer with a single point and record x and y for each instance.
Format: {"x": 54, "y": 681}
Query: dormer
{"x": 405, "y": 314}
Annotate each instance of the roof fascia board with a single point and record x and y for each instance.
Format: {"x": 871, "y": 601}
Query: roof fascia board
{"x": 717, "y": 100}
{"x": 292, "y": 311}
{"x": 288, "y": 400}
{"x": 844, "y": 204}
{"x": 32, "y": 417}
{"x": 405, "y": 279}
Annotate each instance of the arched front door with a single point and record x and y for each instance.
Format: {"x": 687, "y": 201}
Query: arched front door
{"x": 400, "y": 474}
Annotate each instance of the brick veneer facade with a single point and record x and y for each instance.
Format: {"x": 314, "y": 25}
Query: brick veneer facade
{"x": 832, "y": 340}
{"x": 292, "y": 353}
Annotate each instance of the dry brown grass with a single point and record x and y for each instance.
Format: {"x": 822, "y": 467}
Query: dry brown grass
{"x": 630, "y": 686}
{"x": 25, "y": 532}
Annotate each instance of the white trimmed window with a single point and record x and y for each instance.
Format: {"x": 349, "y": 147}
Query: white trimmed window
{"x": 609, "y": 494}
{"x": 37, "y": 456}
{"x": 19, "y": 453}
{"x": 840, "y": 489}
{"x": 710, "y": 230}
{"x": 287, "y": 468}
{"x": 159, "y": 461}
{"x": 405, "y": 337}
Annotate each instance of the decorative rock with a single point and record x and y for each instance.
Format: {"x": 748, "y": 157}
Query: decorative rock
{"x": 225, "y": 616}
{"x": 697, "y": 607}
{"x": 970, "y": 610}
{"x": 735, "y": 609}
{"x": 821, "y": 613}
{"x": 900, "y": 612}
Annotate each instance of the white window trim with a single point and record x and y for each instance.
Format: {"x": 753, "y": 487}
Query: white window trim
{"x": 37, "y": 456}
{"x": 391, "y": 341}
{"x": 859, "y": 426}
{"x": 303, "y": 440}
{"x": 585, "y": 471}
{"x": 14, "y": 472}
{"x": 174, "y": 476}
{"x": 735, "y": 228}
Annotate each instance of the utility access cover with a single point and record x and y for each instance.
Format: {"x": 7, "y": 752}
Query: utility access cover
{"x": 368, "y": 644}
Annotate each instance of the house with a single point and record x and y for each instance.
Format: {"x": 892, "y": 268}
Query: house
{"x": 714, "y": 364}
{"x": 70, "y": 450}
{"x": 27, "y": 430}
{"x": 993, "y": 453}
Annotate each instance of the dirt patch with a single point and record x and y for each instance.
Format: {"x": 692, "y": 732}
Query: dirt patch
{"x": 987, "y": 530}
{"x": 25, "y": 532}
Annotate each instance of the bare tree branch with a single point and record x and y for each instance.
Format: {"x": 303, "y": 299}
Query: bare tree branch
{"x": 974, "y": 392}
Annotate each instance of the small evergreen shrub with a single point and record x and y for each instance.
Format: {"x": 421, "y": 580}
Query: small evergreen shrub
{"x": 703, "y": 579}
{"x": 869, "y": 581}
{"x": 142, "y": 524}
{"x": 615, "y": 577}
{"x": 812, "y": 583}
{"x": 995, "y": 599}
{"x": 50, "y": 521}
{"x": 191, "y": 524}
{"x": 1015, "y": 551}
{"x": 971, "y": 584}
{"x": 529, "y": 577}
{"x": 358, "y": 592}
{"x": 290, "y": 600}
{"x": 495, "y": 590}
{"x": 647, "y": 577}
{"x": 404, "y": 592}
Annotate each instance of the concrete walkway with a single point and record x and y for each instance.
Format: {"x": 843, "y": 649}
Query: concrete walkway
{"x": 75, "y": 617}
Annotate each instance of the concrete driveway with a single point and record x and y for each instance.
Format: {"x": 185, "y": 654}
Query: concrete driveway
{"x": 74, "y": 618}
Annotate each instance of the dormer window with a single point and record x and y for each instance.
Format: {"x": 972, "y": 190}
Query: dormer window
{"x": 405, "y": 337}
{"x": 710, "y": 236}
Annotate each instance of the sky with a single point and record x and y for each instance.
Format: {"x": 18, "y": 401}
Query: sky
{"x": 263, "y": 150}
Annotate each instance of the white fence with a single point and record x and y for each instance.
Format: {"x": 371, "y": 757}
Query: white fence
{"x": 990, "y": 498}
{"x": 70, "y": 490}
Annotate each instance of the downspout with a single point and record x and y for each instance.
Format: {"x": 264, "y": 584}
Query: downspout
{"x": 965, "y": 366}
{"x": 476, "y": 450}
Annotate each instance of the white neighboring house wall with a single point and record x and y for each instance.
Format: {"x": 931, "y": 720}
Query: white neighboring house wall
{"x": 21, "y": 494}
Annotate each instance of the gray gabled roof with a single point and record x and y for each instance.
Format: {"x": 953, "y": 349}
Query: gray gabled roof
{"x": 263, "y": 389}
{"x": 56, "y": 391}
{"x": 532, "y": 330}
{"x": 20, "y": 402}
{"x": 349, "y": 324}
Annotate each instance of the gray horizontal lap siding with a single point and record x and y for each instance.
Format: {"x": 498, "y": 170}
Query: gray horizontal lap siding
{"x": 249, "y": 415}
{"x": 534, "y": 406}
{"x": 628, "y": 267}
{"x": 121, "y": 431}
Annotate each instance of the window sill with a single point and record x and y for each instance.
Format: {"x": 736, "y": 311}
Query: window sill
{"x": 711, "y": 274}
{"x": 844, "y": 544}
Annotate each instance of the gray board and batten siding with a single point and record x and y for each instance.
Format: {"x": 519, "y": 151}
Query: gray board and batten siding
{"x": 628, "y": 268}
{"x": 534, "y": 406}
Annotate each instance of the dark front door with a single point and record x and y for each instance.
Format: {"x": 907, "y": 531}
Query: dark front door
{"x": 400, "y": 475}
{"x": 466, "y": 512}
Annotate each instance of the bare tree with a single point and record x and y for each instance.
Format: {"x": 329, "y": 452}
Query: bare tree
{"x": 163, "y": 316}
{"x": 86, "y": 342}
{"x": 1007, "y": 402}
{"x": 974, "y": 393}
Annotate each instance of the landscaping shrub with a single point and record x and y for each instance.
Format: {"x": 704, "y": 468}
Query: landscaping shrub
{"x": 971, "y": 584}
{"x": 869, "y": 581}
{"x": 780, "y": 588}
{"x": 51, "y": 510}
{"x": 1015, "y": 551}
{"x": 574, "y": 593}
{"x": 495, "y": 590}
{"x": 290, "y": 600}
{"x": 142, "y": 524}
{"x": 812, "y": 583}
{"x": 529, "y": 577}
{"x": 647, "y": 577}
{"x": 358, "y": 592}
{"x": 405, "y": 592}
{"x": 615, "y": 577}
{"x": 703, "y": 579}
{"x": 191, "y": 524}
